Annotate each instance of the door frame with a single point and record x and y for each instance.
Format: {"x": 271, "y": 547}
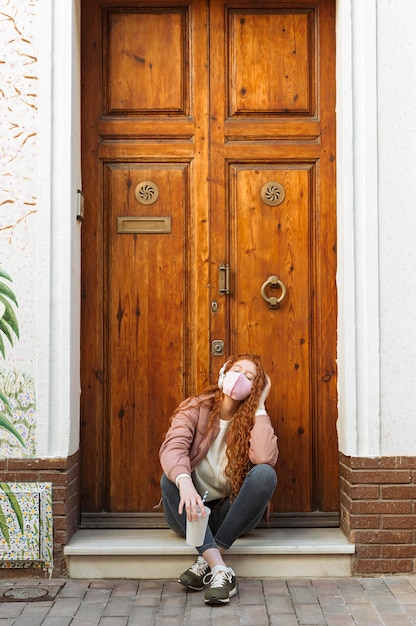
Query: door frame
{"x": 65, "y": 76}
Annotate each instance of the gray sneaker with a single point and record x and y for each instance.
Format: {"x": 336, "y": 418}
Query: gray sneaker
{"x": 222, "y": 585}
{"x": 193, "y": 578}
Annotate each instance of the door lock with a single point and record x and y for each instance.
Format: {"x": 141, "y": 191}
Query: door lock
{"x": 217, "y": 347}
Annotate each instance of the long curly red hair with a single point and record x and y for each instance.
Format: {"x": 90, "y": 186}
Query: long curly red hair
{"x": 238, "y": 436}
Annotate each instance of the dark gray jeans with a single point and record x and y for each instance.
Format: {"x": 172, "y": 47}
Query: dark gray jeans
{"x": 226, "y": 522}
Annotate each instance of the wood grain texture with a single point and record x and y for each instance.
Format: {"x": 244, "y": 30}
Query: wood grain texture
{"x": 210, "y": 101}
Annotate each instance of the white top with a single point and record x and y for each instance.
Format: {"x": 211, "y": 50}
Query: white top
{"x": 210, "y": 473}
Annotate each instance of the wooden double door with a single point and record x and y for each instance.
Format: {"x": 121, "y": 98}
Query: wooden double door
{"x": 208, "y": 145}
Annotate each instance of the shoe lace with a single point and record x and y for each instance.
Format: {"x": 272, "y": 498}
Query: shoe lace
{"x": 219, "y": 578}
{"x": 199, "y": 567}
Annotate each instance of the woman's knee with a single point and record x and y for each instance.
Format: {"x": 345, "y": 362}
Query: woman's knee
{"x": 263, "y": 475}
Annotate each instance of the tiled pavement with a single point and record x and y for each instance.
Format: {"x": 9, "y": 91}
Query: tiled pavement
{"x": 268, "y": 602}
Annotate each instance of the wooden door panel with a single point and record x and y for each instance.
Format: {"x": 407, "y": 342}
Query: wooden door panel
{"x": 148, "y": 320}
{"x": 276, "y": 87}
{"x": 271, "y": 61}
{"x": 145, "y": 298}
{"x": 143, "y": 76}
{"x": 276, "y": 240}
{"x": 209, "y": 101}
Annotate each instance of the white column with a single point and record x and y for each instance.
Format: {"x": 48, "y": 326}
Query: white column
{"x": 358, "y": 255}
{"x": 57, "y": 377}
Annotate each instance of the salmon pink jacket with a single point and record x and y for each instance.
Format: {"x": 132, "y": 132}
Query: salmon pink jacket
{"x": 187, "y": 441}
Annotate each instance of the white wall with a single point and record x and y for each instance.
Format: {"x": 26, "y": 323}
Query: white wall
{"x": 396, "y": 37}
{"x": 376, "y": 117}
{"x": 39, "y": 233}
{"x": 376, "y": 146}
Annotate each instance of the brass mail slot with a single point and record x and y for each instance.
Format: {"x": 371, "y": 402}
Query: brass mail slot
{"x": 144, "y": 225}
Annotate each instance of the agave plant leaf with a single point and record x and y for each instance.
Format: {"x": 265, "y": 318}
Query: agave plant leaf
{"x": 9, "y": 316}
{"x": 7, "y": 425}
{"x": 6, "y": 291}
{"x": 9, "y": 324}
{"x": 5, "y": 329}
{"x": 5, "y": 400}
{"x": 4, "y": 274}
{"x": 3, "y": 527}
{"x": 14, "y": 504}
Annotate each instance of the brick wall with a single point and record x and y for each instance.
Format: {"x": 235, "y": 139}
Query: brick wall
{"x": 378, "y": 513}
{"x": 63, "y": 473}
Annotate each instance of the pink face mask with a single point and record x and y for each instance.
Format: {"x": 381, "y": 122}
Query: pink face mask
{"x": 237, "y": 385}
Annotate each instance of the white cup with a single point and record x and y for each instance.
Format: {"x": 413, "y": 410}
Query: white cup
{"x": 195, "y": 530}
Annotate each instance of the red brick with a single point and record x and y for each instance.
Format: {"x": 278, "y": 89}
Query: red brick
{"x": 365, "y": 492}
{"x": 398, "y": 492}
{"x": 59, "y": 537}
{"x": 58, "y": 478}
{"x": 382, "y": 506}
{"x": 403, "y": 522}
{"x": 398, "y": 552}
{"x": 345, "y": 501}
{"x": 383, "y": 566}
{"x": 383, "y": 537}
{"x": 365, "y": 521}
{"x": 59, "y": 508}
{"x": 59, "y": 523}
{"x": 72, "y": 503}
{"x": 380, "y": 477}
{"x": 21, "y": 477}
{"x": 387, "y": 462}
{"x": 38, "y": 464}
{"x": 366, "y": 551}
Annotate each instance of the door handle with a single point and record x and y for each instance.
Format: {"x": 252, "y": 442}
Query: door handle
{"x": 273, "y": 282}
{"x": 224, "y": 278}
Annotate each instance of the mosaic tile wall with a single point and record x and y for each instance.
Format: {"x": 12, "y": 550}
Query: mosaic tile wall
{"x": 26, "y": 527}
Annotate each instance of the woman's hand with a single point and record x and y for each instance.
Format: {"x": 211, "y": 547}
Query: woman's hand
{"x": 190, "y": 499}
{"x": 265, "y": 393}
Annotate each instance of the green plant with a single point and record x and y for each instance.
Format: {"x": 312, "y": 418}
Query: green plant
{"x": 6, "y": 423}
{"x": 8, "y": 320}
{"x": 15, "y": 508}
{"x": 8, "y": 326}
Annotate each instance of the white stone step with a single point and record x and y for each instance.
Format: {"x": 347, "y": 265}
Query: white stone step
{"x": 159, "y": 553}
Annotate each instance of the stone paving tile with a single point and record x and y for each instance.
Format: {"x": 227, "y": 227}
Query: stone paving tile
{"x": 283, "y": 620}
{"x": 201, "y": 616}
{"x": 250, "y": 591}
{"x": 335, "y": 609}
{"x": 365, "y": 615}
{"x": 64, "y": 607}
{"x": 340, "y": 620}
{"x": 142, "y": 616}
{"x": 96, "y": 596}
{"x": 310, "y": 614}
{"x": 125, "y": 589}
{"x": 118, "y": 607}
{"x": 33, "y": 614}
{"x": 74, "y": 589}
{"x": 385, "y": 601}
{"x": 90, "y": 613}
{"x": 11, "y": 609}
{"x": 279, "y": 605}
